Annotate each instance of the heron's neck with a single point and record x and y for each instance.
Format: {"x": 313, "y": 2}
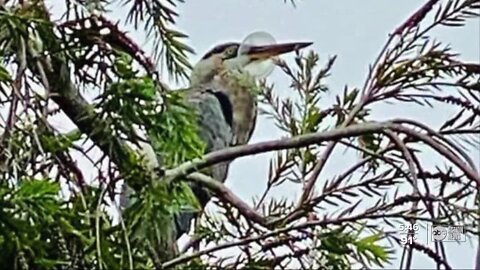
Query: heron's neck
{"x": 203, "y": 72}
{"x": 206, "y": 70}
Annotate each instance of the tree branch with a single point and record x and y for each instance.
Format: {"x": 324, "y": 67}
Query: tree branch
{"x": 263, "y": 147}
{"x": 470, "y": 172}
{"x": 309, "y": 224}
{"x": 227, "y": 195}
{"x": 67, "y": 96}
{"x": 231, "y": 153}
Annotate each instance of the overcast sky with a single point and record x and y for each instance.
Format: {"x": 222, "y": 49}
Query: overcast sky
{"x": 354, "y": 30}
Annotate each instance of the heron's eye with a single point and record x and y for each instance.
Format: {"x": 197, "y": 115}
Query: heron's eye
{"x": 230, "y": 52}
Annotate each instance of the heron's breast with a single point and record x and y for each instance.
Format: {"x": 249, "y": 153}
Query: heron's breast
{"x": 244, "y": 104}
{"x": 241, "y": 92}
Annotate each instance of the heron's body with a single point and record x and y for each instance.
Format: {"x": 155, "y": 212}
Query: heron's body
{"x": 225, "y": 100}
{"x": 226, "y": 116}
{"x": 215, "y": 128}
{"x": 243, "y": 100}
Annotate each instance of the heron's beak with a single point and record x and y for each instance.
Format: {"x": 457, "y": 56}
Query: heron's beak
{"x": 268, "y": 51}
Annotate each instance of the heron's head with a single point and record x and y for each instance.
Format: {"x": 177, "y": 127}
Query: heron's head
{"x": 226, "y": 57}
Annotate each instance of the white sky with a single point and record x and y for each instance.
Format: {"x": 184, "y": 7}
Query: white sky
{"x": 354, "y": 30}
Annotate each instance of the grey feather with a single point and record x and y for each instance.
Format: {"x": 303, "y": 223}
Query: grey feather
{"x": 214, "y": 123}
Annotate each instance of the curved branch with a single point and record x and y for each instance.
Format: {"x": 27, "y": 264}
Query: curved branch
{"x": 437, "y": 135}
{"x": 411, "y": 165}
{"x": 408, "y": 157}
{"x": 67, "y": 96}
{"x": 231, "y": 153}
{"x": 227, "y": 195}
{"x": 470, "y": 172}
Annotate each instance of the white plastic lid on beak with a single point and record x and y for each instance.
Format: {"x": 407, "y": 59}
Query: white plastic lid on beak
{"x": 262, "y": 68}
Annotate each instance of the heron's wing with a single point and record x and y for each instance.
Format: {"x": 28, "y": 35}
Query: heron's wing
{"x": 215, "y": 117}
